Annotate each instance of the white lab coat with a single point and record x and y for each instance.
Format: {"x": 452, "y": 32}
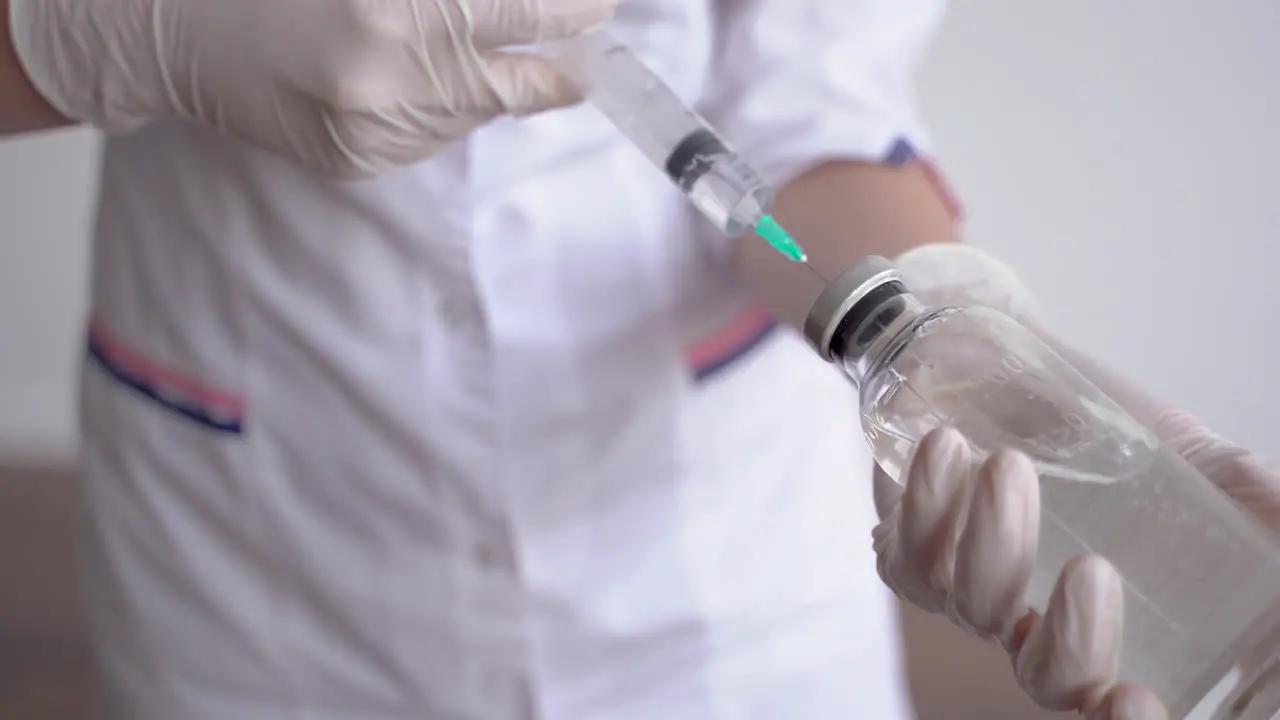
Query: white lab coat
{"x": 495, "y": 436}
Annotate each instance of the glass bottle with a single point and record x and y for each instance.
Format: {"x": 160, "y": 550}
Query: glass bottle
{"x": 1202, "y": 577}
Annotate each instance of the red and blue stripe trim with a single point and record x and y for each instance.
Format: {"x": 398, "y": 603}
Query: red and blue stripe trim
{"x": 903, "y": 153}
{"x": 208, "y": 406}
{"x": 726, "y": 346}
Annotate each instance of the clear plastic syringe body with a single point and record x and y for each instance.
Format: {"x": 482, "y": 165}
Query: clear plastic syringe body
{"x": 715, "y": 178}
{"x": 1201, "y": 577}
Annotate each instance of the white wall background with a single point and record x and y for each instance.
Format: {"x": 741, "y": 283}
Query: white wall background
{"x": 47, "y": 188}
{"x": 1121, "y": 155}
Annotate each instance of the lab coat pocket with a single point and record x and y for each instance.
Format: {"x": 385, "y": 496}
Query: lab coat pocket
{"x": 718, "y": 351}
{"x": 182, "y": 393}
{"x": 173, "y": 542}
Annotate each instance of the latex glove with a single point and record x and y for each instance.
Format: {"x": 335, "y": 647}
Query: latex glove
{"x": 347, "y": 87}
{"x": 963, "y": 543}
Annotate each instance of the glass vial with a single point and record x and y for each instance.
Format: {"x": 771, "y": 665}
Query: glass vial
{"x": 1202, "y": 578}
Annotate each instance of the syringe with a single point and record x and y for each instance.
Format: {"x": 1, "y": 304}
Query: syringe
{"x": 715, "y": 178}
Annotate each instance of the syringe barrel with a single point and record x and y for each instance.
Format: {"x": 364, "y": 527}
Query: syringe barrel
{"x": 627, "y": 92}
{"x": 720, "y": 184}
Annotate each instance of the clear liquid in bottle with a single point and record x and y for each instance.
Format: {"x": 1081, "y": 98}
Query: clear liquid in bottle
{"x": 1202, "y": 578}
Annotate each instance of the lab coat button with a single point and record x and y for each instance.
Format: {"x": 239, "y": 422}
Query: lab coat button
{"x": 495, "y": 557}
{"x": 458, "y": 313}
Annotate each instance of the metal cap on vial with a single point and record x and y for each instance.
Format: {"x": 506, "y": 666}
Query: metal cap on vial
{"x": 831, "y": 311}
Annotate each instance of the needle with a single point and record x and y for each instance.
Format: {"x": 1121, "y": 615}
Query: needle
{"x": 814, "y": 270}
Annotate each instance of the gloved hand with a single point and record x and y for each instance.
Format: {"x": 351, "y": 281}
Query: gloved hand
{"x": 347, "y": 87}
{"x": 962, "y": 543}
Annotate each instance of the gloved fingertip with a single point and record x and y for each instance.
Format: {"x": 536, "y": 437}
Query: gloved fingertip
{"x": 1129, "y": 702}
{"x": 1090, "y": 595}
{"x": 1074, "y": 651}
{"x": 996, "y": 552}
{"x": 929, "y": 518}
{"x": 1009, "y": 463}
{"x": 945, "y": 441}
{"x": 937, "y": 472}
{"x": 935, "y": 479}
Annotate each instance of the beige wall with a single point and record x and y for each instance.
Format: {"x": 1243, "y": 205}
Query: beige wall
{"x": 956, "y": 677}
